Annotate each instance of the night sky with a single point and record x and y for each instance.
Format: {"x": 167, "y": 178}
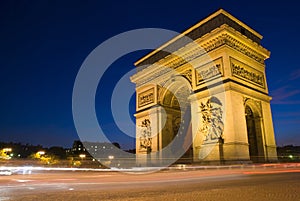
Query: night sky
{"x": 44, "y": 43}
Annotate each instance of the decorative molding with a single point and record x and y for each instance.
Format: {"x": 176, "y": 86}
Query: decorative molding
{"x": 258, "y": 104}
{"x": 148, "y": 79}
{"x": 247, "y": 73}
{"x": 167, "y": 98}
{"x": 245, "y": 99}
{"x": 174, "y": 61}
{"x": 254, "y": 105}
{"x": 209, "y": 71}
{"x": 188, "y": 75}
{"x": 146, "y": 97}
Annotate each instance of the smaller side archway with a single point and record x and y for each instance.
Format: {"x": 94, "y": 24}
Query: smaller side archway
{"x": 254, "y": 132}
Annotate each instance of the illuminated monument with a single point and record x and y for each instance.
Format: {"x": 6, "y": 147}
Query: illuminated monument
{"x": 213, "y": 93}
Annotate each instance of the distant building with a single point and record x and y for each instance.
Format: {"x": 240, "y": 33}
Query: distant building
{"x": 288, "y": 153}
{"x": 77, "y": 147}
{"x": 102, "y": 150}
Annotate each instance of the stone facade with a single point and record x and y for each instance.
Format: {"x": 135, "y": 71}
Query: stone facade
{"x": 212, "y": 90}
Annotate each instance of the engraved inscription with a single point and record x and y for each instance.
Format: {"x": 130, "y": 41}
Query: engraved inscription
{"x": 146, "y": 97}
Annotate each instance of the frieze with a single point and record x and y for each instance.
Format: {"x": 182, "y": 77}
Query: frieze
{"x": 247, "y": 73}
{"x": 146, "y": 97}
{"x": 209, "y": 71}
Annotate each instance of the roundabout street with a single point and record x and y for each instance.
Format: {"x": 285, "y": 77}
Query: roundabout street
{"x": 240, "y": 183}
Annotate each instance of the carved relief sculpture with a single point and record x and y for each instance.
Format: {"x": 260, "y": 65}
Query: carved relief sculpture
{"x": 176, "y": 125}
{"x": 145, "y": 135}
{"x": 146, "y": 97}
{"x": 213, "y": 125}
{"x": 209, "y": 71}
{"x": 188, "y": 75}
{"x": 246, "y": 73}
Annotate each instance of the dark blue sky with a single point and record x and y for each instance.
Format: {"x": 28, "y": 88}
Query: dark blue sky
{"x": 43, "y": 44}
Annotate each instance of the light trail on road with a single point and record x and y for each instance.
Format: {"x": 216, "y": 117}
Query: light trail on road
{"x": 48, "y": 184}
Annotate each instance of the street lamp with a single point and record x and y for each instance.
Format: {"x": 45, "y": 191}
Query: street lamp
{"x": 7, "y": 149}
{"x": 41, "y": 153}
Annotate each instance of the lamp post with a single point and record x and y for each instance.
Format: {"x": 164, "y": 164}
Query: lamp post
{"x": 82, "y": 156}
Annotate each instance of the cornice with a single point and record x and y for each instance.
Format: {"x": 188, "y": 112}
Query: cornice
{"x": 219, "y": 37}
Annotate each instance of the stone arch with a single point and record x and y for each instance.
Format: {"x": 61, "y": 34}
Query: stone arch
{"x": 174, "y": 85}
{"x": 174, "y": 97}
{"x": 254, "y": 125}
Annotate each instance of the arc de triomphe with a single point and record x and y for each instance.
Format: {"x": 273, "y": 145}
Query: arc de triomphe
{"x": 209, "y": 96}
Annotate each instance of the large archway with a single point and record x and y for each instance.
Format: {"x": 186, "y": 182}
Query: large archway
{"x": 177, "y": 130}
{"x": 254, "y": 134}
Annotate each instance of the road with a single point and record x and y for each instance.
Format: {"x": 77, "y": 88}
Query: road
{"x": 216, "y": 184}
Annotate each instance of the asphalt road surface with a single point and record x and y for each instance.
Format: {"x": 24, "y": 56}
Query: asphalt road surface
{"x": 217, "y": 184}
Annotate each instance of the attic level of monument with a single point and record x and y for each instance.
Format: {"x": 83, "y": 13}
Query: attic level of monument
{"x": 200, "y": 29}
